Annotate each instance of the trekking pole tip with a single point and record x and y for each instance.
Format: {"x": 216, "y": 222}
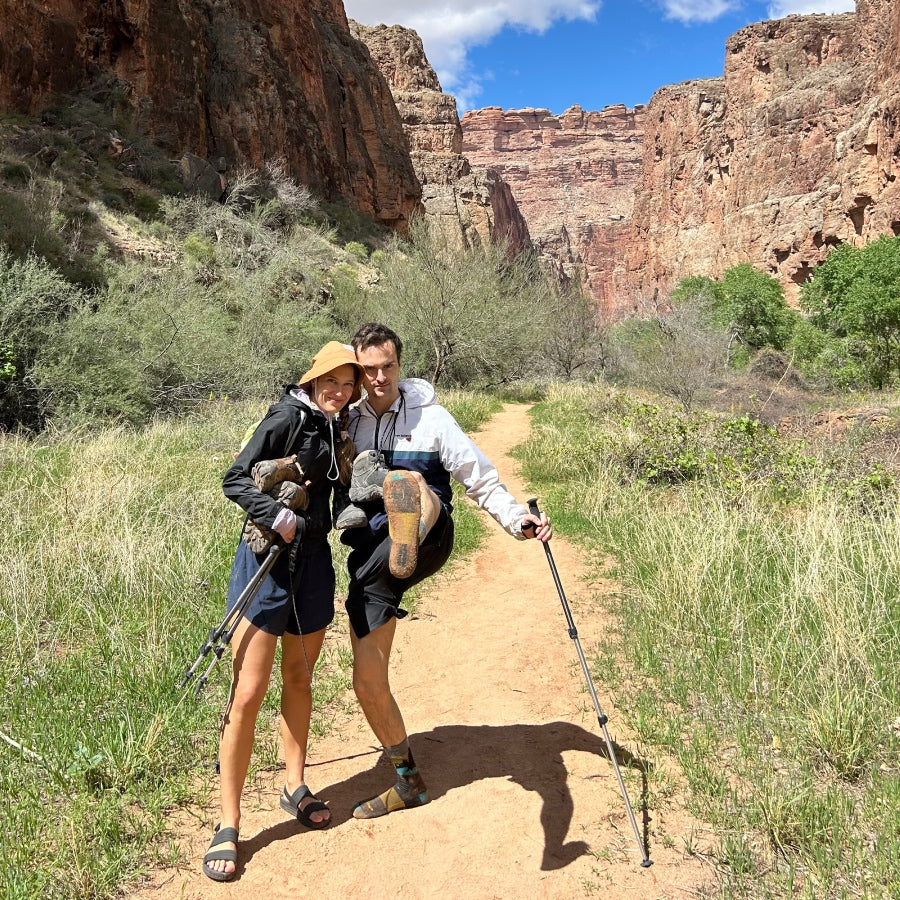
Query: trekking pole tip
{"x": 647, "y": 863}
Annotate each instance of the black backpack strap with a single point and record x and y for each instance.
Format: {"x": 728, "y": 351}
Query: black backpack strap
{"x": 295, "y": 432}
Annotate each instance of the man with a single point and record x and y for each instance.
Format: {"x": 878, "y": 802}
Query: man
{"x": 405, "y": 489}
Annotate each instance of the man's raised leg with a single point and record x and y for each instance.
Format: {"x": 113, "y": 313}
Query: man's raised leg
{"x": 412, "y": 509}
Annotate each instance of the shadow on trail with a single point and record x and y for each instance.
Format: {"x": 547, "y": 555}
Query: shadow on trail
{"x": 452, "y": 756}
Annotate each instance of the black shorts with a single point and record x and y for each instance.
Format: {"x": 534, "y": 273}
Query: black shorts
{"x": 374, "y": 595}
{"x": 298, "y": 602}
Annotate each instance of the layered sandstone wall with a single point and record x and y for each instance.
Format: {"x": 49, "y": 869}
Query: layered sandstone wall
{"x": 574, "y": 178}
{"x": 471, "y": 206}
{"x": 246, "y": 80}
{"x": 795, "y": 149}
{"x": 774, "y": 164}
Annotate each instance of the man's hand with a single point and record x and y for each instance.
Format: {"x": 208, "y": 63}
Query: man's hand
{"x": 537, "y": 527}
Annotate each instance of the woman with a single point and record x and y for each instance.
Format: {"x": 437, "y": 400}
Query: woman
{"x": 296, "y": 600}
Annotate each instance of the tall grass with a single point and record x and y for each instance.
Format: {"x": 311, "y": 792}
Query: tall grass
{"x": 758, "y": 640}
{"x": 114, "y": 558}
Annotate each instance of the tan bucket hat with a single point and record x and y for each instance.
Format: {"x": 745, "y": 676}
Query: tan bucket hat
{"x": 330, "y": 357}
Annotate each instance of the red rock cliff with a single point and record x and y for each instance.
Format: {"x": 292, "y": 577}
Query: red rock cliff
{"x": 794, "y": 150}
{"x": 574, "y": 178}
{"x": 247, "y": 80}
{"x": 471, "y": 206}
{"x": 773, "y": 164}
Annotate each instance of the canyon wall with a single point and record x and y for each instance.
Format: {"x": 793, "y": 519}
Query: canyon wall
{"x": 574, "y": 177}
{"x": 244, "y": 80}
{"x": 794, "y": 150}
{"x": 471, "y": 206}
{"x": 773, "y": 164}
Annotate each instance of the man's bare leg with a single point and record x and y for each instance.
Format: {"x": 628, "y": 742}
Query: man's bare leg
{"x": 371, "y": 658}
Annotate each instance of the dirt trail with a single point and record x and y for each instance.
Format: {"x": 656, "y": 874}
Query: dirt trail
{"x": 524, "y": 802}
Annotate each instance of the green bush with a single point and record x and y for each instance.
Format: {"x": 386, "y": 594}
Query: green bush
{"x": 747, "y": 303}
{"x": 35, "y": 301}
{"x": 855, "y": 294}
{"x": 357, "y": 250}
{"x": 15, "y": 173}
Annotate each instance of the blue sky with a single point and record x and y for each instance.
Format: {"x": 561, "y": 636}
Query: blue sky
{"x": 556, "y": 53}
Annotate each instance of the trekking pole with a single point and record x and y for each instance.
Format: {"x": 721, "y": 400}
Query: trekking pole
{"x": 220, "y": 636}
{"x": 601, "y": 718}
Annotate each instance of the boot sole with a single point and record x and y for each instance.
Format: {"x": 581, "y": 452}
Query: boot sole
{"x": 403, "y": 505}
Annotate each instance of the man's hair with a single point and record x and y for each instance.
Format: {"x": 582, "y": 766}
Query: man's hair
{"x": 374, "y": 334}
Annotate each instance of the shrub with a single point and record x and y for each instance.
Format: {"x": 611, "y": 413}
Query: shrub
{"x": 677, "y": 354}
{"x": 357, "y": 250}
{"x": 470, "y": 317}
{"x": 855, "y": 294}
{"x": 35, "y": 301}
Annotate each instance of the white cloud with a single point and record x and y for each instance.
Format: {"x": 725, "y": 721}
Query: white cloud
{"x": 448, "y": 28}
{"x": 710, "y": 10}
{"x": 784, "y": 8}
{"x": 697, "y": 10}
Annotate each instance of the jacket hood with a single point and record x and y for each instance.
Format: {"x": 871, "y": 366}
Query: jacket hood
{"x": 417, "y": 392}
{"x": 297, "y": 396}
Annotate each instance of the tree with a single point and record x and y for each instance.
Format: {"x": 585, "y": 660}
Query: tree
{"x": 855, "y": 293}
{"x": 698, "y": 290}
{"x": 468, "y": 316}
{"x": 747, "y": 303}
{"x": 35, "y": 301}
{"x": 678, "y": 354}
{"x": 753, "y": 308}
{"x": 575, "y": 342}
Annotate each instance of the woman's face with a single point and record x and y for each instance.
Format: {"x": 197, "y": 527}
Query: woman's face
{"x": 332, "y": 391}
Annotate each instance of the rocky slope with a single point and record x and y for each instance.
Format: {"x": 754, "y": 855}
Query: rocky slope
{"x": 795, "y": 149}
{"x": 471, "y": 206}
{"x": 242, "y": 80}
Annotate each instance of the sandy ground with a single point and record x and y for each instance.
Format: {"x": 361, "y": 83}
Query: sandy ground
{"x": 525, "y": 802}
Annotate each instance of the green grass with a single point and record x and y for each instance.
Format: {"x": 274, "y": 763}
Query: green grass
{"x": 757, "y": 638}
{"x": 114, "y": 559}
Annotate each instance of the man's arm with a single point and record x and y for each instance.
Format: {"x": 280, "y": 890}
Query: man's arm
{"x": 470, "y": 467}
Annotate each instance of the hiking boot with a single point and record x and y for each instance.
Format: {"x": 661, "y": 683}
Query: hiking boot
{"x": 258, "y": 537}
{"x": 269, "y": 472}
{"x": 367, "y": 479}
{"x": 351, "y": 516}
{"x": 403, "y": 505}
{"x": 294, "y": 496}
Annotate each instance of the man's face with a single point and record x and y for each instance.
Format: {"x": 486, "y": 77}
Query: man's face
{"x": 382, "y": 377}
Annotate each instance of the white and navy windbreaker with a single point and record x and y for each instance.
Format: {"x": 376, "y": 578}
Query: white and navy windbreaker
{"x": 419, "y": 435}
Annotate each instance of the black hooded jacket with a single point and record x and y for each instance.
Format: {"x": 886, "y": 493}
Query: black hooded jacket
{"x": 290, "y": 426}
